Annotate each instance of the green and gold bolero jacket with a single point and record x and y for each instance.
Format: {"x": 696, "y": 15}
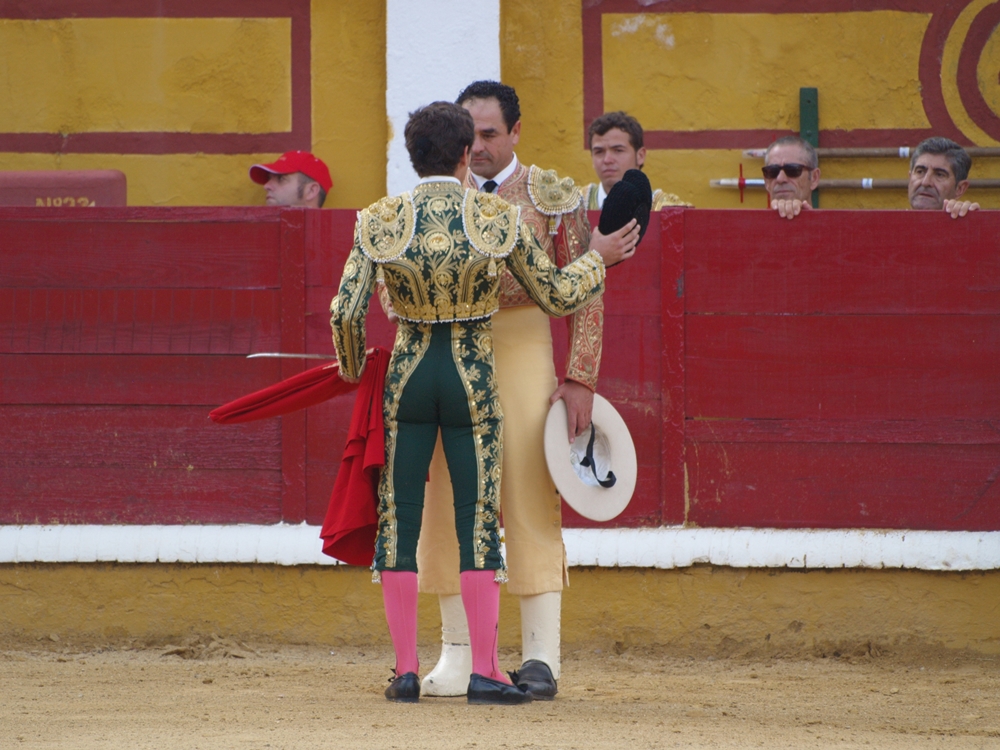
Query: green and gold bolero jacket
{"x": 441, "y": 253}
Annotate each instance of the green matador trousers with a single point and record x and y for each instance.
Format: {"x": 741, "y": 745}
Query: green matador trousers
{"x": 441, "y": 377}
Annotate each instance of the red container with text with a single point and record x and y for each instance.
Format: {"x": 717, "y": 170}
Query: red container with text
{"x": 64, "y": 188}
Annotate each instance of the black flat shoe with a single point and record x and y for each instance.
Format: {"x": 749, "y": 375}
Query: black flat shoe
{"x": 487, "y": 690}
{"x": 535, "y": 678}
{"x": 404, "y": 689}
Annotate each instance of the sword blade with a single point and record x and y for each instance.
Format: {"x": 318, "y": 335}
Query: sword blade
{"x": 284, "y": 355}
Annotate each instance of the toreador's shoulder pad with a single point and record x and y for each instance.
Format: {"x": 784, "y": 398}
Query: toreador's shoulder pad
{"x": 491, "y": 223}
{"x": 385, "y": 229}
{"x": 552, "y": 195}
{"x": 661, "y": 200}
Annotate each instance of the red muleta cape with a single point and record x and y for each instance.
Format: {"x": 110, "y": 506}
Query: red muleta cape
{"x": 351, "y": 522}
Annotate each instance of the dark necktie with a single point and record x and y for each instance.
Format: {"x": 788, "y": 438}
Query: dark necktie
{"x": 489, "y": 186}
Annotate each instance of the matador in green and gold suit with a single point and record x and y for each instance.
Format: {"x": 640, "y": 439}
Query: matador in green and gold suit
{"x": 441, "y": 254}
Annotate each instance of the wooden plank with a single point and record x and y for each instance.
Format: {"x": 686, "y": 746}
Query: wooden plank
{"x": 843, "y": 367}
{"x": 129, "y": 254}
{"x": 673, "y": 233}
{"x": 833, "y": 486}
{"x": 329, "y": 238}
{"x": 631, "y": 366}
{"x": 138, "y": 321}
{"x": 150, "y": 214}
{"x": 633, "y": 288}
{"x": 906, "y": 262}
{"x": 913, "y": 431}
{"x": 139, "y": 496}
{"x": 131, "y": 379}
{"x": 133, "y": 437}
{"x": 293, "y": 339}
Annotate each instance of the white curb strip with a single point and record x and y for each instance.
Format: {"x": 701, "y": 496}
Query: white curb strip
{"x": 664, "y": 547}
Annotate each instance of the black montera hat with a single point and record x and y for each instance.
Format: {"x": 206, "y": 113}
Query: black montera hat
{"x": 629, "y": 198}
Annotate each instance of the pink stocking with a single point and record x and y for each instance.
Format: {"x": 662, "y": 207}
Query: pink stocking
{"x": 399, "y": 593}
{"x": 481, "y": 597}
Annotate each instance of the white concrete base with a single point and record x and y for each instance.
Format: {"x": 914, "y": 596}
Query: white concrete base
{"x": 663, "y": 547}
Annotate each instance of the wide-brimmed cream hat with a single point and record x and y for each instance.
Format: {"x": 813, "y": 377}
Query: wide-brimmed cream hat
{"x": 595, "y": 473}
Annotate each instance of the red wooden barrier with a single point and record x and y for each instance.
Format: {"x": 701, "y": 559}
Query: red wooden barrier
{"x": 836, "y": 371}
{"x": 842, "y": 370}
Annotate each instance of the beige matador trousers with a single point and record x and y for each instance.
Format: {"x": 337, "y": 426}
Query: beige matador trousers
{"x": 532, "y": 514}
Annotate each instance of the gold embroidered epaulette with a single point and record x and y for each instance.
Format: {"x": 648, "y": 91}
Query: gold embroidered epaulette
{"x": 551, "y": 195}
{"x": 491, "y": 223}
{"x": 385, "y": 228}
{"x": 661, "y": 199}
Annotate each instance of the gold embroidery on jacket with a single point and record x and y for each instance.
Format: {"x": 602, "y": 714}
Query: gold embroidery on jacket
{"x": 491, "y": 223}
{"x": 550, "y": 194}
{"x": 451, "y": 286}
{"x": 385, "y": 228}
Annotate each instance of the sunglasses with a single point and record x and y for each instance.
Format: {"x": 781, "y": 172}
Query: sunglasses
{"x": 771, "y": 171}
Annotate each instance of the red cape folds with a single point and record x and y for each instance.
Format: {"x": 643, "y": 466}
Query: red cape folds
{"x": 314, "y": 386}
{"x": 351, "y": 522}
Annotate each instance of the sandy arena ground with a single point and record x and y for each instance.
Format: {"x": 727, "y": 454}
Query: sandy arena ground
{"x": 212, "y": 693}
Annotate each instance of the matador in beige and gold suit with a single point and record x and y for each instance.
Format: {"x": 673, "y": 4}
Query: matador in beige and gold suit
{"x": 553, "y": 209}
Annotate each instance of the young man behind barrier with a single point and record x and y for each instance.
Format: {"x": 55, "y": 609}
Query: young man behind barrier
{"x": 616, "y": 146}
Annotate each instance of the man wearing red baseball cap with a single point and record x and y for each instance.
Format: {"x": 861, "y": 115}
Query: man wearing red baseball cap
{"x": 297, "y": 178}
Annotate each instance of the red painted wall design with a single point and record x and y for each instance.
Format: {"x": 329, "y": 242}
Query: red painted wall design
{"x": 836, "y": 372}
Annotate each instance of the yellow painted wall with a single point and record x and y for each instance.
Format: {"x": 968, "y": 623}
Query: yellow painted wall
{"x": 672, "y": 70}
{"x": 84, "y": 75}
{"x": 698, "y": 610}
{"x": 204, "y": 75}
{"x": 692, "y": 71}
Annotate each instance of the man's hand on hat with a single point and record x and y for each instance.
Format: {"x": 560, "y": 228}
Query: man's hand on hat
{"x": 617, "y": 246}
{"x": 959, "y": 208}
{"x": 579, "y": 400}
{"x": 789, "y": 208}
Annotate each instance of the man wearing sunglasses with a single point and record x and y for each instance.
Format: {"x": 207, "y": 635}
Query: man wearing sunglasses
{"x": 939, "y": 176}
{"x": 791, "y": 173}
